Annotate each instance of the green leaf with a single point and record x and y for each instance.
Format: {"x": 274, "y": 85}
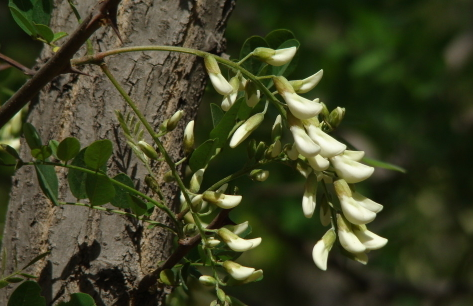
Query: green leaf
{"x": 53, "y": 144}
{"x": 244, "y": 111}
{"x": 36, "y": 259}
{"x": 169, "y": 277}
{"x": 217, "y": 113}
{"x": 27, "y": 294}
{"x": 138, "y": 206}
{"x": 277, "y": 37}
{"x": 122, "y": 197}
{"x": 226, "y": 124}
{"x": 288, "y": 68}
{"x": 76, "y": 178}
{"x": 252, "y": 65}
{"x": 27, "y": 275}
{"x": 68, "y": 149}
{"x": 99, "y": 189}
{"x": 23, "y": 21}
{"x": 3, "y": 283}
{"x": 79, "y": 299}
{"x": 14, "y": 280}
{"x": 41, "y": 153}
{"x": 58, "y": 36}
{"x": 44, "y": 32}
{"x": 48, "y": 182}
{"x": 202, "y": 155}
{"x": 380, "y": 164}
{"x": 32, "y": 136}
{"x": 183, "y": 274}
{"x": 42, "y": 11}
{"x": 10, "y": 151}
{"x": 98, "y": 153}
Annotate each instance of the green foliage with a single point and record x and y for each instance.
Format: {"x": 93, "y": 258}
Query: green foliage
{"x": 79, "y": 299}
{"x": 76, "y": 178}
{"x": 99, "y": 189}
{"x": 48, "y": 182}
{"x": 98, "y": 153}
{"x": 68, "y": 149}
{"x": 27, "y": 294}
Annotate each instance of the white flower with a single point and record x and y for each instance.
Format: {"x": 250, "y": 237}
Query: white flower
{"x": 329, "y": 146}
{"x": 307, "y": 84}
{"x": 236, "y": 243}
{"x": 303, "y": 143}
{"x": 318, "y": 163}
{"x": 196, "y": 180}
{"x": 347, "y": 238}
{"x": 238, "y": 271}
{"x": 309, "y": 198}
{"x": 322, "y": 248}
{"x": 230, "y": 99}
{"x": 277, "y": 148}
{"x": 225, "y": 201}
{"x": 246, "y": 129}
{"x": 352, "y": 210}
{"x": 300, "y": 107}
{"x": 220, "y": 84}
{"x": 252, "y": 94}
{"x": 369, "y": 239}
{"x": 253, "y": 277}
{"x": 350, "y": 170}
{"x": 275, "y": 57}
{"x": 238, "y": 228}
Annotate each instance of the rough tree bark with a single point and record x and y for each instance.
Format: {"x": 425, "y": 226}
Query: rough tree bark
{"x": 94, "y": 252}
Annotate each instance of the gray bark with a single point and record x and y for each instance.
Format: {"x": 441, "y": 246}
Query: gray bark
{"x": 103, "y": 254}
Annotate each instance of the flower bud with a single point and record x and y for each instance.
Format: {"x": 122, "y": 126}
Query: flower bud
{"x": 292, "y": 152}
{"x": 222, "y": 200}
{"x": 188, "y": 142}
{"x": 238, "y": 228}
{"x": 207, "y": 280}
{"x": 260, "y": 149}
{"x": 324, "y": 114}
{"x": 276, "y": 131}
{"x": 221, "y": 296}
{"x": 220, "y": 84}
{"x": 212, "y": 242}
{"x": 309, "y": 198}
{"x": 252, "y": 94}
{"x": 171, "y": 124}
{"x": 259, "y": 175}
{"x": 190, "y": 229}
{"x": 168, "y": 177}
{"x": 246, "y": 129}
{"x": 336, "y": 117}
{"x": 322, "y": 248}
{"x": 276, "y": 149}
{"x": 196, "y": 180}
{"x": 148, "y": 150}
{"x": 196, "y": 203}
{"x": 275, "y": 57}
{"x": 236, "y": 243}
{"x": 307, "y": 84}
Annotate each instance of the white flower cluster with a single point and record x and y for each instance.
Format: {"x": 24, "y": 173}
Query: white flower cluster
{"x": 317, "y": 155}
{"x": 324, "y": 154}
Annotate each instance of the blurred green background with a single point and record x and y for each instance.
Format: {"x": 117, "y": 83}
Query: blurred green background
{"x": 404, "y": 72}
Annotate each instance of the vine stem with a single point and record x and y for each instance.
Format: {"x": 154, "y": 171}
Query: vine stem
{"x": 99, "y": 57}
{"x": 121, "y": 212}
{"x": 158, "y": 142}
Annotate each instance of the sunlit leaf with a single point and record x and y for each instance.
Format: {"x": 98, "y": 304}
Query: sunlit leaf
{"x": 25, "y": 24}
{"x": 45, "y": 32}
{"x": 98, "y": 153}
{"x": 76, "y": 178}
{"x": 32, "y": 136}
{"x": 58, "y": 36}
{"x": 68, "y": 149}
{"x": 202, "y": 155}
{"x": 226, "y": 124}
{"x": 217, "y": 113}
{"x": 41, "y": 153}
{"x": 253, "y": 65}
{"x": 36, "y": 259}
{"x": 380, "y": 164}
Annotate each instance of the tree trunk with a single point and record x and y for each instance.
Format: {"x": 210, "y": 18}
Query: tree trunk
{"x": 106, "y": 255}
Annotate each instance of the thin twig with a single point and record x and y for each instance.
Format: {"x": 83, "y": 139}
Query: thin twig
{"x": 17, "y": 65}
